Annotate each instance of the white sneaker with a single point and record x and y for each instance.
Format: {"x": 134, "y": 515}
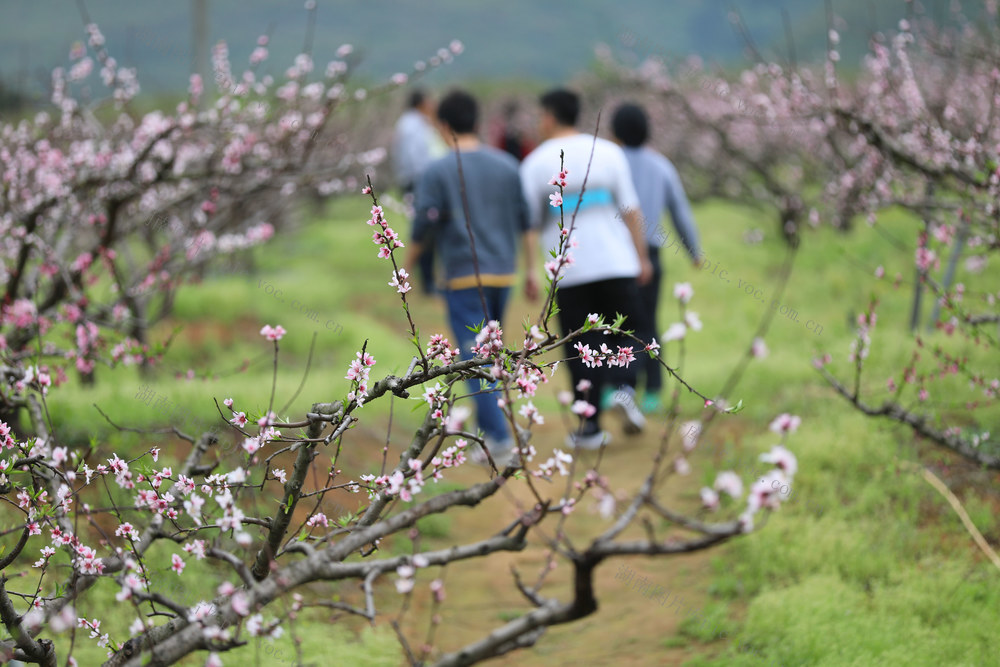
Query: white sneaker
{"x": 591, "y": 441}
{"x": 624, "y": 404}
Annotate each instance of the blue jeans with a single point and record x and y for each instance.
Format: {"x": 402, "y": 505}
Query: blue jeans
{"x": 465, "y": 309}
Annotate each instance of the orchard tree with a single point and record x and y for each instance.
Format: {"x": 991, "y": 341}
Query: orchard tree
{"x": 105, "y": 213}
{"x": 916, "y": 129}
{"x": 131, "y": 519}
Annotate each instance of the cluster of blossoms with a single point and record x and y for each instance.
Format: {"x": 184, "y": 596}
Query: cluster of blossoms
{"x": 683, "y": 292}
{"x": 861, "y": 344}
{"x": 766, "y": 492}
{"x": 559, "y": 180}
{"x": 129, "y": 352}
{"x": 358, "y": 373}
{"x": 407, "y": 485}
{"x": 266, "y": 434}
{"x": 531, "y": 413}
{"x": 440, "y": 349}
{"x": 436, "y": 398}
{"x": 384, "y": 236}
{"x": 400, "y": 281}
{"x": 555, "y": 267}
{"x": 489, "y": 340}
{"x": 85, "y": 559}
{"x": 6, "y": 441}
{"x": 387, "y": 239}
{"x": 623, "y": 356}
{"x": 273, "y": 333}
{"x": 406, "y": 573}
{"x": 533, "y": 338}
{"x": 559, "y": 461}
{"x": 528, "y": 377}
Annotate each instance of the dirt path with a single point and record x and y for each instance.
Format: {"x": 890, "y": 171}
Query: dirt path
{"x": 628, "y": 628}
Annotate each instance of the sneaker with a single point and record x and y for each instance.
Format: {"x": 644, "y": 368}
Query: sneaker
{"x": 588, "y": 441}
{"x": 650, "y": 403}
{"x": 624, "y": 403}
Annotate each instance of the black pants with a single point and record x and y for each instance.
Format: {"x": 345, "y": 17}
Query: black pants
{"x": 649, "y": 294}
{"x": 604, "y": 297}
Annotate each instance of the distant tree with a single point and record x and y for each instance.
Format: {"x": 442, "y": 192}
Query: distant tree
{"x": 105, "y": 213}
{"x": 918, "y": 129}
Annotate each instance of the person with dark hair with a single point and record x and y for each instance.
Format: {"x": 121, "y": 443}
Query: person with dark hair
{"x": 497, "y": 220}
{"x": 414, "y": 144}
{"x": 458, "y": 113}
{"x": 563, "y": 106}
{"x": 609, "y": 262}
{"x": 418, "y": 97}
{"x": 659, "y": 188}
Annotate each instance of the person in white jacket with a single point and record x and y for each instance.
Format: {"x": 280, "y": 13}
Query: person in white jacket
{"x": 610, "y": 261}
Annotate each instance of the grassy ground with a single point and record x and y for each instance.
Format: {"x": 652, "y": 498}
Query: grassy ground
{"x": 865, "y": 565}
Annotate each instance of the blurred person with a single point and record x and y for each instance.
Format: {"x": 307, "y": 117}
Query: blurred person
{"x": 415, "y": 143}
{"x": 611, "y": 259}
{"x": 498, "y": 220}
{"x": 659, "y": 188}
{"x": 507, "y": 133}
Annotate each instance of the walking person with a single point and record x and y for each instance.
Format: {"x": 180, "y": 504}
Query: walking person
{"x": 659, "y": 188}
{"x": 610, "y": 261}
{"x": 415, "y": 144}
{"x": 498, "y": 220}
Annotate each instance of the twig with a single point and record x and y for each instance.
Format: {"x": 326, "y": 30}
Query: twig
{"x": 956, "y": 505}
{"x": 305, "y": 374}
{"x": 468, "y": 229}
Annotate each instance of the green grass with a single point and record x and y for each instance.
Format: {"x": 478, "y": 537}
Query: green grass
{"x": 864, "y": 565}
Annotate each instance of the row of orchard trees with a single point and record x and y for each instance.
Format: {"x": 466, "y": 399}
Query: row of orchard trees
{"x": 918, "y": 128}
{"x": 104, "y": 214}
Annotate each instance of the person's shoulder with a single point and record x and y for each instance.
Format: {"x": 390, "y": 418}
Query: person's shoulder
{"x": 438, "y": 168}
{"x": 542, "y": 154}
{"x": 604, "y": 145}
{"x": 634, "y": 154}
{"x": 655, "y": 159}
{"x": 500, "y": 157}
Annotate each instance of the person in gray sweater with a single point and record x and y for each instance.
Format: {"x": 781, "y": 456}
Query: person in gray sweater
{"x": 659, "y": 188}
{"x": 497, "y": 220}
